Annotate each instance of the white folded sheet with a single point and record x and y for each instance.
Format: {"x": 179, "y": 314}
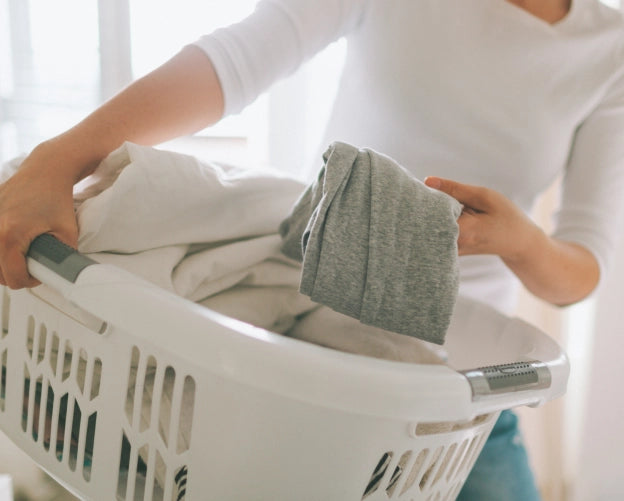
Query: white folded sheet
{"x": 195, "y": 228}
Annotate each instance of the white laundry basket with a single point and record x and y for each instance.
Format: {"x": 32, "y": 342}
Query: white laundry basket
{"x": 121, "y": 390}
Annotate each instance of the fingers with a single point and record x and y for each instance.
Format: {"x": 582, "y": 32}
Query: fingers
{"x": 13, "y": 266}
{"x": 36, "y": 199}
{"x": 14, "y": 272}
{"x": 473, "y": 197}
{"x": 471, "y": 238}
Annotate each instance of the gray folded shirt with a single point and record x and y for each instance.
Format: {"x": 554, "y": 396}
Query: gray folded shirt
{"x": 376, "y": 244}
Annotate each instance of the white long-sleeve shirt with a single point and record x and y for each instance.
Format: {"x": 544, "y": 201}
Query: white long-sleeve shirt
{"x": 479, "y": 91}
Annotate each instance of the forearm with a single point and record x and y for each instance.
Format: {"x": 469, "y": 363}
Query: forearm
{"x": 556, "y": 271}
{"x": 180, "y": 97}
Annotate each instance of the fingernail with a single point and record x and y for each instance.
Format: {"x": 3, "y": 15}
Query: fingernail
{"x": 433, "y": 182}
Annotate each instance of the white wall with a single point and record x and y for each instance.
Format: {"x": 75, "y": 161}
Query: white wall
{"x": 600, "y": 456}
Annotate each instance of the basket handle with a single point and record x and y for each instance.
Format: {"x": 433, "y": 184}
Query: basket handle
{"x": 57, "y": 257}
{"x": 508, "y": 378}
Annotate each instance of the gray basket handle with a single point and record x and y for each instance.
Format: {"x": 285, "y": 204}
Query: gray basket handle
{"x": 508, "y": 378}
{"x": 58, "y": 257}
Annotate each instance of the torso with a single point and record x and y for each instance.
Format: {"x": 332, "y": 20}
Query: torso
{"x": 492, "y": 95}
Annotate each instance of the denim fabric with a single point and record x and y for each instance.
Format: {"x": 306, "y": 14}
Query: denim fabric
{"x": 502, "y": 471}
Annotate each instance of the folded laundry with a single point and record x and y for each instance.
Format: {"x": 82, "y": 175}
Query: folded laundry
{"x": 376, "y": 244}
{"x": 195, "y": 228}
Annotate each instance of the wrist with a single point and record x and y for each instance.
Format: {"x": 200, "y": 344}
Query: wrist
{"x": 66, "y": 158}
{"x": 531, "y": 246}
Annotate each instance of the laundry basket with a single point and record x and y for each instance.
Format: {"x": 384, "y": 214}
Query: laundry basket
{"x": 121, "y": 390}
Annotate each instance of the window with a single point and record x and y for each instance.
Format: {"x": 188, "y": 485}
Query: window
{"x": 48, "y": 78}
{"x": 59, "y": 60}
{"x": 159, "y": 28}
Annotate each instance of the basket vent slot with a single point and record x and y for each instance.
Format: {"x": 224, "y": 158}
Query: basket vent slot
{"x": 6, "y": 309}
{"x": 449, "y": 426}
{"x": 88, "y": 450}
{"x": 398, "y": 472}
{"x": 54, "y": 353}
{"x": 82, "y": 370}
{"x": 160, "y": 467}
{"x": 458, "y": 456}
{"x": 415, "y": 471}
{"x": 430, "y": 473}
{"x": 26, "y": 397}
{"x": 141, "y": 473}
{"x": 445, "y": 463}
{"x": 47, "y": 430}
{"x": 180, "y": 482}
{"x": 74, "y": 433}
{"x": 467, "y": 460}
{"x": 159, "y": 405}
{"x": 37, "y": 407}
{"x": 147, "y": 393}
{"x": 30, "y": 334}
{"x": 60, "y": 448}
{"x": 67, "y": 361}
{"x": 43, "y": 334}
{"x": 97, "y": 376}
{"x": 132, "y": 377}
{"x": 186, "y": 415}
{"x": 60, "y": 384}
{"x": 3, "y": 379}
{"x": 4, "y": 318}
{"x": 124, "y": 467}
{"x": 378, "y": 474}
{"x": 165, "y": 404}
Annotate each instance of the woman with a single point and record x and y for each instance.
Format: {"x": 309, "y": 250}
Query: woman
{"x": 494, "y": 98}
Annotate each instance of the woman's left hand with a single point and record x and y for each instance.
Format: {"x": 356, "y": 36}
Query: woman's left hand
{"x": 490, "y": 223}
{"x": 557, "y": 271}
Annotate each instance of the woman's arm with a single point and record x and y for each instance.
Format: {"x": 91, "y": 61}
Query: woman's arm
{"x": 557, "y": 271}
{"x": 180, "y": 97}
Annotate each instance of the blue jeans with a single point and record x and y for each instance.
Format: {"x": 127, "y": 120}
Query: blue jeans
{"x": 502, "y": 471}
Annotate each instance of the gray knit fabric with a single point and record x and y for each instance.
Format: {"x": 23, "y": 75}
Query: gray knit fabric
{"x": 376, "y": 244}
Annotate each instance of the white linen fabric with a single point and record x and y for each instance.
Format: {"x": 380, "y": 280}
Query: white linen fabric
{"x": 209, "y": 232}
{"x": 479, "y": 91}
{"x": 196, "y": 229}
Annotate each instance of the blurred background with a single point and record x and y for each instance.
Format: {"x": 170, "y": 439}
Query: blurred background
{"x": 60, "y": 59}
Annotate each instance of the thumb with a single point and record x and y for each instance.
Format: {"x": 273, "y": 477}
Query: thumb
{"x": 466, "y": 194}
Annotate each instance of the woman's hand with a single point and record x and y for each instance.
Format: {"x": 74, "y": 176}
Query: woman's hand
{"x": 490, "y": 223}
{"x": 181, "y": 96}
{"x": 37, "y": 199}
{"x": 557, "y": 271}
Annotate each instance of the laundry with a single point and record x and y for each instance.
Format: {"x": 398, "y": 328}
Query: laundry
{"x": 376, "y": 244}
{"x": 326, "y": 327}
{"x": 196, "y": 229}
{"x": 210, "y": 233}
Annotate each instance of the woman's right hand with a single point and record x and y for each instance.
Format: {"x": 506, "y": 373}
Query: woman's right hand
{"x": 37, "y": 199}
{"x": 180, "y": 97}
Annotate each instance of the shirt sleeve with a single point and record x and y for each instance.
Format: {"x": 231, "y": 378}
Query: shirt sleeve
{"x": 273, "y": 42}
{"x": 592, "y": 203}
